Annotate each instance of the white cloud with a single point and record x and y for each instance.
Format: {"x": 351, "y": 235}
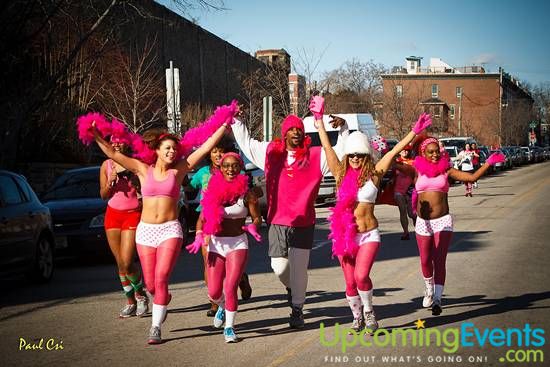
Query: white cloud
{"x": 485, "y": 58}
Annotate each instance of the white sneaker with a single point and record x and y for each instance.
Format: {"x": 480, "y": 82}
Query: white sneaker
{"x": 229, "y": 335}
{"x": 428, "y": 299}
{"x": 142, "y": 305}
{"x": 128, "y": 311}
{"x": 371, "y": 325}
{"x": 219, "y": 318}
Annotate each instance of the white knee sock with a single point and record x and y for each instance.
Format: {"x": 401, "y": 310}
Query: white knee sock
{"x": 281, "y": 268}
{"x": 438, "y": 291}
{"x": 159, "y": 311}
{"x": 229, "y": 318}
{"x": 429, "y": 283}
{"x": 355, "y": 305}
{"x": 366, "y": 297}
{"x": 299, "y": 261}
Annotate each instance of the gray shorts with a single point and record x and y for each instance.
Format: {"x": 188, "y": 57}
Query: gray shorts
{"x": 283, "y": 237}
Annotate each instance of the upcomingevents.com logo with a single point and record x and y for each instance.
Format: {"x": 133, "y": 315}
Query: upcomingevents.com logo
{"x": 520, "y": 344}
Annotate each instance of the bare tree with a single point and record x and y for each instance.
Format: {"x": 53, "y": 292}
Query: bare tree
{"x": 133, "y": 89}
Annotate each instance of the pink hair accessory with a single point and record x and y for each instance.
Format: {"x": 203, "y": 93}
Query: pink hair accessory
{"x": 427, "y": 142}
{"x": 84, "y": 127}
{"x": 234, "y": 155}
{"x": 379, "y": 144}
{"x": 196, "y": 136}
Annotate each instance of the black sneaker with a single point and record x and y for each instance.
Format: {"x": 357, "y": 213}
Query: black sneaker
{"x": 296, "y": 320}
{"x": 436, "y": 307}
{"x": 289, "y": 297}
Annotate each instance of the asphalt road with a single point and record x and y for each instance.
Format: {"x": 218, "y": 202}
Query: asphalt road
{"x": 497, "y": 280}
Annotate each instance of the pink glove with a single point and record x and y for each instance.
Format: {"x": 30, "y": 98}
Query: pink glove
{"x": 196, "y": 245}
{"x": 424, "y": 121}
{"x": 496, "y": 158}
{"x": 251, "y": 228}
{"x": 317, "y": 107}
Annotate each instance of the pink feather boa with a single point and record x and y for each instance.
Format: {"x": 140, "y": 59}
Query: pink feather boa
{"x": 427, "y": 168}
{"x": 220, "y": 192}
{"x": 84, "y": 127}
{"x": 342, "y": 221}
{"x": 196, "y": 136}
{"x": 120, "y": 132}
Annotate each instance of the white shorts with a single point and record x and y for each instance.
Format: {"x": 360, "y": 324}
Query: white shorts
{"x": 427, "y": 227}
{"x": 226, "y": 245}
{"x": 153, "y": 235}
{"x": 371, "y": 236}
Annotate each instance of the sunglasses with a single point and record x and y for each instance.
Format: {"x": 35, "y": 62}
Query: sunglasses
{"x": 235, "y": 166}
{"x": 358, "y": 155}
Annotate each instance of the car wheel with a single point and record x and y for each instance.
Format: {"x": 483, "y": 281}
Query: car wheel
{"x": 43, "y": 267}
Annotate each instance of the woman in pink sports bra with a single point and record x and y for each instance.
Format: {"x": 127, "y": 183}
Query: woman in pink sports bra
{"x": 434, "y": 224}
{"x": 227, "y": 202}
{"x": 354, "y": 227}
{"x": 121, "y": 220}
{"x": 159, "y": 235}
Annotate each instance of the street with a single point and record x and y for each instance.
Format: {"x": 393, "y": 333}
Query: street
{"x": 497, "y": 277}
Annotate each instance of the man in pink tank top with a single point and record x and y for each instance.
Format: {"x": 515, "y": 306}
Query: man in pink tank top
{"x": 293, "y": 172}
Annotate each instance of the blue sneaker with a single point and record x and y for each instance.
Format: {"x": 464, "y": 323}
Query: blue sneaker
{"x": 229, "y": 335}
{"x": 219, "y": 318}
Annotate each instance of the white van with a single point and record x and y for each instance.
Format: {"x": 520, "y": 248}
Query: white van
{"x": 356, "y": 121}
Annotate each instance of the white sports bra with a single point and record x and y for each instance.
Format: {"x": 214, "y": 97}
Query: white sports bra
{"x": 367, "y": 193}
{"x": 236, "y": 211}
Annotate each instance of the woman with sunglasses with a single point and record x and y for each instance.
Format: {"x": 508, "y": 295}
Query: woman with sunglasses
{"x": 121, "y": 220}
{"x": 354, "y": 227}
{"x": 227, "y": 202}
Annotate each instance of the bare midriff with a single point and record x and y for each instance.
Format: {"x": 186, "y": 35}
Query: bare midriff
{"x": 364, "y": 217}
{"x": 432, "y": 204}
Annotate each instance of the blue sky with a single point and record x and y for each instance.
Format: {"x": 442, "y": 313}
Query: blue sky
{"x": 511, "y": 34}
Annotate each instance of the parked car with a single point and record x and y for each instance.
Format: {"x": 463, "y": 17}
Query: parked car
{"x": 458, "y": 141}
{"x": 453, "y": 154}
{"x": 500, "y": 165}
{"x": 78, "y": 212}
{"x": 26, "y": 236}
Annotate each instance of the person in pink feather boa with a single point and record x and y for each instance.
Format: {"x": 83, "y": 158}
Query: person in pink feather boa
{"x": 161, "y": 169}
{"x": 354, "y": 227}
{"x": 227, "y": 202}
{"x": 434, "y": 224}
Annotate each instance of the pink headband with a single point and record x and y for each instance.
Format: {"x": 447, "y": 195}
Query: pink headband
{"x": 289, "y": 122}
{"x": 234, "y": 155}
{"x": 427, "y": 142}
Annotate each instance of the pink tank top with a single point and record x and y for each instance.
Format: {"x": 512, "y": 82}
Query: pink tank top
{"x": 439, "y": 183}
{"x": 125, "y": 194}
{"x": 167, "y": 187}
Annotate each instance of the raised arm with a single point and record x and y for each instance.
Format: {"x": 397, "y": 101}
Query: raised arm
{"x": 253, "y": 149}
{"x": 131, "y": 164}
{"x": 423, "y": 122}
{"x": 187, "y": 164}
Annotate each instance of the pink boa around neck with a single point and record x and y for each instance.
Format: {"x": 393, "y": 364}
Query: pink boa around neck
{"x": 196, "y": 136}
{"x": 84, "y": 127}
{"x": 427, "y": 168}
{"x": 220, "y": 192}
{"x": 343, "y": 228}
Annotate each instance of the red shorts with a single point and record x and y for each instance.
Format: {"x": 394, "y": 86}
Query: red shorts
{"x": 121, "y": 219}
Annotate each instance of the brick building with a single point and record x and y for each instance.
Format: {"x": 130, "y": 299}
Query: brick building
{"x": 463, "y": 101}
{"x": 297, "y": 92}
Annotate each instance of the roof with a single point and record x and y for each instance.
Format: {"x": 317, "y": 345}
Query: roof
{"x": 433, "y": 101}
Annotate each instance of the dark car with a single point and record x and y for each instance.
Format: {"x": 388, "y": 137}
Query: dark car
{"x": 78, "y": 212}
{"x": 26, "y": 238}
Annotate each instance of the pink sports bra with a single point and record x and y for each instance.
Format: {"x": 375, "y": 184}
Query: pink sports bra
{"x": 439, "y": 183}
{"x": 167, "y": 187}
{"x": 125, "y": 195}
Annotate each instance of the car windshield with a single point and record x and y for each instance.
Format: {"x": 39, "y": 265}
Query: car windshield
{"x": 75, "y": 185}
{"x": 451, "y": 151}
{"x": 316, "y": 141}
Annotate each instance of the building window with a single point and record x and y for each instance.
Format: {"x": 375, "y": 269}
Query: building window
{"x": 458, "y": 92}
{"x": 291, "y": 89}
{"x": 452, "y": 111}
{"x": 399, "y": 90}
{"x": 435, "y": 90}
{"x": 437, "y": 112}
